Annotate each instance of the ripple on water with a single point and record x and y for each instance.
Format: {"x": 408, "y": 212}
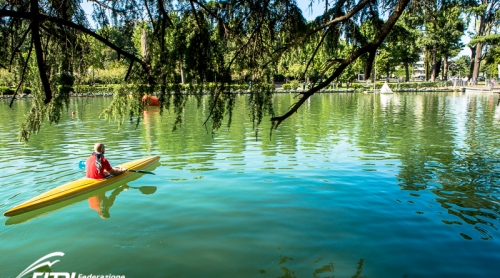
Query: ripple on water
{"x": 356, "y": 185}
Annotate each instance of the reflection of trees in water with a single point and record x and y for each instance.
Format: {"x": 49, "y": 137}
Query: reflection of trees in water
{"x": 465, "y": 187}
{"x": 327, "y": 269}
{"x": 449, "y": 150}
{"x": 465, "y": 182}
{"x": 470, "y": 193}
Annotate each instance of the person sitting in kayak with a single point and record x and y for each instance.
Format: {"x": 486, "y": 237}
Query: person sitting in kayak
{"x": 98, "y": 167}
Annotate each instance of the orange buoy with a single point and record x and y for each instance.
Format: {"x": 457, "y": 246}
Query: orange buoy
{"x": 153, "y": 101}
{"x": 150, "y": 100}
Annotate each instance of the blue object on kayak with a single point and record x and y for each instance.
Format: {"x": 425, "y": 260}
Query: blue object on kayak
{"x": 81, "y": 165}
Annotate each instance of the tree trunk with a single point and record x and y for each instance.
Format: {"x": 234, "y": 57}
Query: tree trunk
{"x": 182, "y": 72}
{"x": 407, "y": 71}
{"x": 445, "y": 67}
{"x": 477, "y": 61}
{"x": 483, "y": 19}
{"x": 144, "y": 46}
{"x": 369, "y": 64}
{"x": 438, "y": 67}
{"x": 472, "y": 59}
{"x": 433, "y": 64}
{"x": 426, "y": 64}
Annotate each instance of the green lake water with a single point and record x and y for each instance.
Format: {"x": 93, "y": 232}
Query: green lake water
{"x": 353, "y": 185}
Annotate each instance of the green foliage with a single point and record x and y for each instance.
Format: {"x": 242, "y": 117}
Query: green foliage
{"x": 419, "y": 85}
{"x": 6, "y": 91}
{"x": 148, "y": 48}
{"x": 261, "y": 102}
{"x": 489, "y": 39}
{"x": 65, "y": 79}
{"x": 459, "y": 66}
{"x": 127, "y": 102}
{"x": 294, "y": 84}
{"x": 34, "y": 120}
{"x": 7, "y": 78}
{"x": 9, "y": 91}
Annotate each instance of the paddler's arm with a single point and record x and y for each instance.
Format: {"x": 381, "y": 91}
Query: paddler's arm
{"x": 115, "y": 171}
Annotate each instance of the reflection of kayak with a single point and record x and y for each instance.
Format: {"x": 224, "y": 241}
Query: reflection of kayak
{"x": 79, "y": 187}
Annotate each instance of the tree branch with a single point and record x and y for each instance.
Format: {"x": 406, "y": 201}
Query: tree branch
{"x": 347, "y": 16}
{"x": 22, "y": 74}
{"x": 19, "y": 44}
{"x": 37, "y": 17}
{"x": 384, "y": 31}
{"x": 35, "y": 34}
{"x": 102, "y": 5}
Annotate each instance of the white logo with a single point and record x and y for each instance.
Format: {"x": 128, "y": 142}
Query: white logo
{"x": 37, "y": 264}
{"x": 41, "y": 263}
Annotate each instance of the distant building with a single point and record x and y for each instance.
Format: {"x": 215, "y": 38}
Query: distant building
{"x": 419, "y": 68}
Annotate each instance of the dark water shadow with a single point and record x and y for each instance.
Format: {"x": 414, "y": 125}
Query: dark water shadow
{"x": 325, "y": 271}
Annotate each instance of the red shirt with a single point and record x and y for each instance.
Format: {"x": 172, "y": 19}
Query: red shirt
{"x": 92, "y": 171}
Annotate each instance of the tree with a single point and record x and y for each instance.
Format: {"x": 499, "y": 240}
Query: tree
{"x": 460, "y": 66}
{"x": 221, "y": 37}
{"x": 486, "y": 14}
{"x": 492, "y": 60}
{"x": 401, "y": 45}
{"x": 443, "y": 29}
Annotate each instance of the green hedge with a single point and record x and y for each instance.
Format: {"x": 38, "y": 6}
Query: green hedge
{"x": 6, "y": 91}
{"x": 185, "y": 88}
{"x": 403, "y": 86}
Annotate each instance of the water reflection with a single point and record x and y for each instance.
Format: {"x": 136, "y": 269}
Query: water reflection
{"x": 445, "y": 144}
{"x": 101, "y": 203}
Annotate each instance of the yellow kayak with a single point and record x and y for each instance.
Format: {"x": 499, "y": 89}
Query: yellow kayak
{"x": 79, "y": 187}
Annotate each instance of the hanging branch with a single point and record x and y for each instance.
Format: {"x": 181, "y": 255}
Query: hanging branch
{"x": 320, "y": 43}
{"x": 22, "y": 74}
{"x": 35, "y": 34}
{"x": 347, "y": 16}
{"x": 240, "y": 50}
{"x": 195, "y": 14}
{"x": 102, "y": 5}
{"x": 129, "y": 69}
{"x": 37, "y": 17}
{"x": 23, "y": 38}
{"x": 384, "y": 31}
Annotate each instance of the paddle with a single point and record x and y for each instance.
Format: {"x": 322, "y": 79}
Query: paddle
{"x": 146, "y": 190}
{"x": 81, "y": 165}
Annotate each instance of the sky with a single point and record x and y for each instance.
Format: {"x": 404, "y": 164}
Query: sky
{"x": 310, "y": 14}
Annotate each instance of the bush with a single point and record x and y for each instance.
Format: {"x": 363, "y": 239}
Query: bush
{"x": 294, "y": 84}
{"x": 6, "y": 91}
{"x": 65, "y": 79}
{"x": 286, "y": 87}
